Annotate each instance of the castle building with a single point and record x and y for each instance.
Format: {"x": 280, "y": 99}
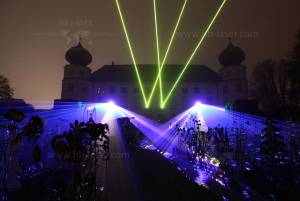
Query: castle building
{"x": 119, "y": 83}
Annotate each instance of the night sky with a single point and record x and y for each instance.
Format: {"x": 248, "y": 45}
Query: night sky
{"x": 35, "y": 34}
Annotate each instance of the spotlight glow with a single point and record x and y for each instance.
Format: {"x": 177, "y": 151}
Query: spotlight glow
{"x": 111, "y": 103}
{"x": 198, "y": 104}
{"x": 217, "y": 108}
{"x": 198, "y": 107}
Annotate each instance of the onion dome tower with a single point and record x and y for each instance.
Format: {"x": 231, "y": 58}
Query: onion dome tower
{"x": 78, "y": 55}
{"x": 232, "y": 55}
{"x": 234, "y": 73}
{"x": 76, "y": 84}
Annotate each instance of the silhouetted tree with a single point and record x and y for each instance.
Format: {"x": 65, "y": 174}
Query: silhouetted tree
{"x": 72, "y": 146}
{"x": 276, "y": 85}
{"x": 294, "y": 71}
{"x": 272, "y": 145}
{"x": 238, "y": 150}
{"x": 5, "y": 90}
{"x": 270, "y": 85}
{"x": 80, "y": 147}
{"x": 31, "y": 131}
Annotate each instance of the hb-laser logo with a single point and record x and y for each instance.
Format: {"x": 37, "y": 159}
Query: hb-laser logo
{"x": 161, "y": 63}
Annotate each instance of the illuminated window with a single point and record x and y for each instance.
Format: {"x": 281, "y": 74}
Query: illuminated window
{"x": 100, "y": 91}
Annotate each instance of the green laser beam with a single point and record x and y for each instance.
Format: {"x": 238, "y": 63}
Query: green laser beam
{"x": 194, "y": 52}
{"x": 157, "y": 50}
{"x": 166, "y": 54}
{"x": 162, "y": 64}
{"x": 131, "y": 51}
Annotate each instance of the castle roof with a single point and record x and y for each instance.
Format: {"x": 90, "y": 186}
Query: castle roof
{"x": 148, "y": 73}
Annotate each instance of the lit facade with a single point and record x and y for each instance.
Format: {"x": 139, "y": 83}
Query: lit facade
{"x": 119, "y": 83}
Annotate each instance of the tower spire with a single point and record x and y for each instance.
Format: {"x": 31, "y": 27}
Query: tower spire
{"x": 80, "y": 37}
{"x": 79, "y": 40}
{"x": 229, "y": 41}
